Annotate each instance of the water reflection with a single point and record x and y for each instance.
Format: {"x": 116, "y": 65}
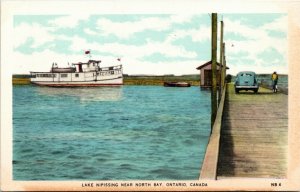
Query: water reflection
{"x": 85, "y": 94}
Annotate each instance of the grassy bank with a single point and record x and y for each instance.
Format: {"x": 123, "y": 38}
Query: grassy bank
{"x": 131, "y": 80}
{"x": 21, "y": 81}
{"x": 159, "y": 80}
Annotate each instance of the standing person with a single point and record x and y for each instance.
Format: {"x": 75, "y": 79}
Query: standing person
{"x": 274, "y": 81}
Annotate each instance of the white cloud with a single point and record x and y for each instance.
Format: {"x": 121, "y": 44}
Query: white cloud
{"x": 258, "y": 40}
{"x": 39, "y": 34}
{"x": 237, "y": 27}
{"x": 69, "y": 20}
{"x": 279, "y": 24}
{"x": 203, "y": 33}
{"x": 133, "y": 51}
{"x": 167, "y": 49}
{"x": 90, "y": 32}
{"x": 79, "y": 43}
{"x": 39, "y": 61}
{"x": 198, "y": 35}
{"x": 161, "y": 68}
{"x": 125, "y": 29}
{"x": 181, "y": 18}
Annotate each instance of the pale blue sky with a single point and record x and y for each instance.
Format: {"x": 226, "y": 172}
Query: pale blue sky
{"x": 151, "y": 44}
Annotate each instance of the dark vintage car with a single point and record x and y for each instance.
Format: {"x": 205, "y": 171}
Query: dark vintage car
{"x": 246, "y": 80}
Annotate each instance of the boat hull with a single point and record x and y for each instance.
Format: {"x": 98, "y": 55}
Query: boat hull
{"x": 105, "y": 83}
{"x": 176, "y": 84}
{"x": 76, "y": 85}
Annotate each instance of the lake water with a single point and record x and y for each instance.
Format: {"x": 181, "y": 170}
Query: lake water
{"x": 282, "y": 81}
{"x": 125, "y": 133}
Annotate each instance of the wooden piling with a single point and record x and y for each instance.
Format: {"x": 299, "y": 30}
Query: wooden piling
{"x": 223, "y": 72}
{"x": 221, "y": 64}
{"x": 214, "y": 26}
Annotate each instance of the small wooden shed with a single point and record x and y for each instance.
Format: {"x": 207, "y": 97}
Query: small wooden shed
{"x": 205, "y": 74}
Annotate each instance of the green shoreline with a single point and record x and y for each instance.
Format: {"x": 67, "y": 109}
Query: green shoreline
{"x": 194, "y": 79}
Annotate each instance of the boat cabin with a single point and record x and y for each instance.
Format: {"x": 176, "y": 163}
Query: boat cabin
{"x": 91, "y": 65}
{"x": 206, "y": 74}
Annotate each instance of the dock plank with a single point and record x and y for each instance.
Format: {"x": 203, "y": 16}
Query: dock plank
{"x": 254, "y": 135}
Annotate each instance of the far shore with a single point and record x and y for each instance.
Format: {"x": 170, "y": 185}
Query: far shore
{"x": 193, "y": 79}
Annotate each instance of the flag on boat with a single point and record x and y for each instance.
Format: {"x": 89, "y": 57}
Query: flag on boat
{"x": 87, "y": 52}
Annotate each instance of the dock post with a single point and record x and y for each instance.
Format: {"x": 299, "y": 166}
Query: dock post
{"x": 223, "y": 66}
{"x": 220, "y": 74}
{"x": 214, "y": 26}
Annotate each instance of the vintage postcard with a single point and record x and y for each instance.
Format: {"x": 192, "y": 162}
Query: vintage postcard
{"x": 150, "y": 95}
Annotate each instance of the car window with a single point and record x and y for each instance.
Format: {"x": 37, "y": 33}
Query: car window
{"x": 246, "y": 75}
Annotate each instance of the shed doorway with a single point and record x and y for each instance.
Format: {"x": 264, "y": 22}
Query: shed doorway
{"x": 207, "y": 78}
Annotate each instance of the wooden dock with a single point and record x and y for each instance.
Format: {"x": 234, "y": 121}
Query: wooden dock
{"x": 254, "y": 131}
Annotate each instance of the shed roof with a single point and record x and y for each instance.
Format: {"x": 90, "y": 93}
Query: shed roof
{"x": 208, "y": 63}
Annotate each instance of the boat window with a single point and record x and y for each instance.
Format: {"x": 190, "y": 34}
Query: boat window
{"x": 45, "y": 75}
{"x": 76, "y": 75}
{"x": 104, "y": 73}
{"x": 63, "y": 75}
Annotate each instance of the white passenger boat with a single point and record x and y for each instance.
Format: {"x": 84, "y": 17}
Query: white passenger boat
{"x": 88, "y": 74}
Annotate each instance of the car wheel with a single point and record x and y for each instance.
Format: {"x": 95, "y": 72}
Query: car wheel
{"x": 237, "y": 90}
{"x": 255, "y": 90}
